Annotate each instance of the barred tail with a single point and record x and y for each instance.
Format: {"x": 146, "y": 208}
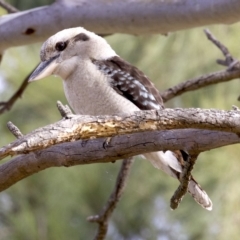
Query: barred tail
{"x": 169, "y": 163}
{"x": 199, "y": 195}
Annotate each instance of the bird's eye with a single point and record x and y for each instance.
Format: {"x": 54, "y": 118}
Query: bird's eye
{"x": 60, "y": 46}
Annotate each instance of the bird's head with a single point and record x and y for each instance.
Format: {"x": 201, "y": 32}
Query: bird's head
{"x": 61, "y": 53}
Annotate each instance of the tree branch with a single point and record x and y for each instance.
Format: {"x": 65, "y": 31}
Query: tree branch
{"x": 199, "y": 82}
{"x": 132, "y": 17}
{"x": 229, "y": 60}
{"x": 4, "y": 106}
{"x": 232, "y": 72}
{"x": 94, "y": 151}
{"x": 86, "y": 127}
{"x": 14, "y": 130}
{"x": 8, "y": 7}
{"x": 103, "y": 217}
{"x": 185, "y": 178}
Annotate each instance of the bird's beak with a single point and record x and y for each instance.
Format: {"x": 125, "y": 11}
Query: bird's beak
{"x": 44, "y": 69}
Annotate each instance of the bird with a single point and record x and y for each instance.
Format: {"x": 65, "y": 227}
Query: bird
{"x": 97, "y": 81}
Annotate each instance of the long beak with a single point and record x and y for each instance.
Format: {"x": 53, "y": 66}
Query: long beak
{"x": 44, "y": 69}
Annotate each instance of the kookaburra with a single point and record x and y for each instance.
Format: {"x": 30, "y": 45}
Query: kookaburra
{"x": 97, "y": 81}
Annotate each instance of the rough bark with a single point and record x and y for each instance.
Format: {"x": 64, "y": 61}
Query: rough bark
{"x": 96, "y": 151}
{"x": 86, "y": 127}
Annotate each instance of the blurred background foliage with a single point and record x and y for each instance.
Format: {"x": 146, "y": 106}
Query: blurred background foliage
{"x": 55, "y": 203}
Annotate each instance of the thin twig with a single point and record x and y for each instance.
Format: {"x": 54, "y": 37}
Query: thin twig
{"x": 216, "y": 42}
{"x": 8, "y": 7}
{"x": 14, "y": 130}
{"x": 184, "y": 178}
{"x": 102, "y": 218}
{"x": 65, "y": 111}
{"x": 229, "y": 61}
{"x": 6, "y": 106}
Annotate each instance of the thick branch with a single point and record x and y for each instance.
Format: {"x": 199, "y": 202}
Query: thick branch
{"x": 85, "y": 127}
{"x": 95, "y": 151}
{"x": 133, "y": 17}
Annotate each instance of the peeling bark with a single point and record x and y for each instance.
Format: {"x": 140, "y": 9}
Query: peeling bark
{"x": 86, "y": 127}
{"x": 124, "y": 146}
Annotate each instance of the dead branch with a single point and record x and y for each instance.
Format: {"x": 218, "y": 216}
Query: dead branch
{"x": 94, "y": 151}
{"x": 200, "y": 82}
{"x": 103, "y": 217}
{"x": 184, "y": 180}
{"x": 229, "y": 60}
{"x": 65, "y": 111}
{"x": 86, "y": 127}
{"x": 14, "y": 130}
{"x": 232, "y": 72}
{"x": 4, "y": 106}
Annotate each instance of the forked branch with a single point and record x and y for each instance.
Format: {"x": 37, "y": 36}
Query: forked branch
{"x": 184, "y": 181}
{"x": 232, "y": 72}
{"x": 200, "y": 82}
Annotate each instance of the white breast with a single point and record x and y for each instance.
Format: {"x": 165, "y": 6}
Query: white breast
{"x": 88, "y": 92}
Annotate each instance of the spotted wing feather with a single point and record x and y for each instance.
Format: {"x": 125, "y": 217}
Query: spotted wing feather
{"x": 130, "y": 82}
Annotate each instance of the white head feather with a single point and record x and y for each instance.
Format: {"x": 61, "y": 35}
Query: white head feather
{"x": 80, "y": 45}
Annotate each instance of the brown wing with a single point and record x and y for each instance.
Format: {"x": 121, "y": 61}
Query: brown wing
{"x": 130, "y": 82}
